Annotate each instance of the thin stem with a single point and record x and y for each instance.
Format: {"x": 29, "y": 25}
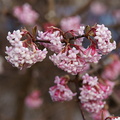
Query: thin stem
{"x": 76, "y": 81}
{"x": 76, "y": 37}
{"x": 45, "y": 41}
{"x": 72, "y": 38}
{"x": 33, "y": 39}
{"x": 81, "y": 112}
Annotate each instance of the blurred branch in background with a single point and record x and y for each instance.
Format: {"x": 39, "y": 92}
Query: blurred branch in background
{"x": 83, "y": 8}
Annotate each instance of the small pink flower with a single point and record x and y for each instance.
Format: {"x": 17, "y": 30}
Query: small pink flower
{"x": 81, "y": 30}
{"x": 61, "y": 92}
{"x": 91, "y": 54}
{"x": 92, "y": 81}
{"x": 25, "y": 14}
{"x": 33, "y": 100}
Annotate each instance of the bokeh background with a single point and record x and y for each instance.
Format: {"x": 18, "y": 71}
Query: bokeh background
{"x": 15, "y": 85}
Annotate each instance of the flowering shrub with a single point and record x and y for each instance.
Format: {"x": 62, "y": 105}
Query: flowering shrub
{"x": 70, "y": 55}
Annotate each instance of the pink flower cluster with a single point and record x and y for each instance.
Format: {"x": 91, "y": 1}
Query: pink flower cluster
{"x": 61, "y": 92}
{"x": 103, "y": 38}
{"x": 71, "y": 57}
{"x": 74, "y": 58}
{"x": 91, "y": 54}
{"x": 54, "y": 38}
{"x": 33, "y": 100}
{"x": 93, "y": 93}
{"x": 69, "y": 61}
{"x": 23, "y": 54}
{"x": 112, "y": 70}
{"x": 25, "y": 14}
{"x": 70, "y": 23}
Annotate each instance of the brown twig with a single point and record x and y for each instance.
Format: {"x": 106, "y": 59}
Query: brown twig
{"x": 64, "y": 40}
{"x": 77, "y": 84}
{"x": 44, "y": 41}
{"x": 83, "y": 8}
{"x": 81, "y": 111}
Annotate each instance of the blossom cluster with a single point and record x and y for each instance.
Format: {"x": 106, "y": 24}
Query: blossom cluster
{"x": 93, "y": 93}
{"x": 23, "y": 54}
{"x": 69, "y": 61}
{"x": 74, "y": 58}
{"x": 25, "y": 14}
{"x": 71, "y": 57}
{"x": 61, "y": 91}
{"x": 103, "y": 37}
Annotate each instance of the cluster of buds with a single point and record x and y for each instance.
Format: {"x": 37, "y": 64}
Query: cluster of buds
{"x": 23, "y": 53}
{"x": 70, "y": 55}
{"x": 61, "y": 91}
{"x": 55, "y": 40}
{"x": 74, "y": 57}
{"x": 93, "y": 93}
{"x": 112, "y": 69}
